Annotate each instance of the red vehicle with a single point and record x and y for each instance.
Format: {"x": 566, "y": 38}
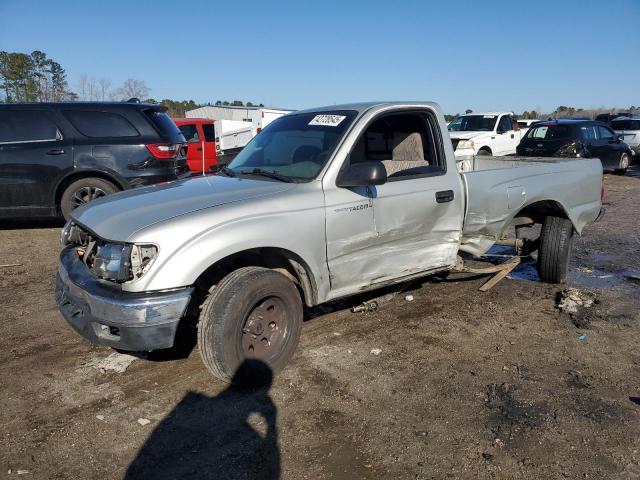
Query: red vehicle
{"x": 201, "y": 148}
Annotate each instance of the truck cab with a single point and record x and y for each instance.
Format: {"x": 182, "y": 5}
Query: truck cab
{"x": 491, "y": 133}
{"x": 201, "y": 146}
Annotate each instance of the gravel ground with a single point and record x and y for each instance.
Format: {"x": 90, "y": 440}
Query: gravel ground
{"x": 454, "y": 384}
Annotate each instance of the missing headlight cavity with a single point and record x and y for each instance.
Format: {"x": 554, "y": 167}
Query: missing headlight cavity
{"x": 142, "y": 256}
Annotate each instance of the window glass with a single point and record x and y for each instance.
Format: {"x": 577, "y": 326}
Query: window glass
{"x": 27, "y": 125}
{"x": 164, "y": 125}
{"x": 190, "y": 133}
{"x": 209, "y": 132}
{"x": 625, "y": 124}
{"x": 505, "y": 123}
{"x": 97, "y": 124}
{"x": 588, "y": 133}
{"x": 295, "y": 145}
{"x": 549, "y": 132}
{"x": 404, "y": 143}
{"x": 473, "y": 123}
{"x": 605, "y": 133}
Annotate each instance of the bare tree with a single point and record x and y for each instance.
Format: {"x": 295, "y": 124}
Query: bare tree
{"x": 92, "y": 89}
{"x": 83, "y": 86}
{"x": 104, "y": 85}
{"x": 132, "y": 89}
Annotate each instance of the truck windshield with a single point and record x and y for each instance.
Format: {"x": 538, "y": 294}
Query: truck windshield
{"x": 296, "y": 146}
{"x": 473, "y": 123}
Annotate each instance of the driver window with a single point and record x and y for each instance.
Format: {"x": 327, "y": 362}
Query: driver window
{"x": 505, "y": 123}
{"x": 404, "y": 143}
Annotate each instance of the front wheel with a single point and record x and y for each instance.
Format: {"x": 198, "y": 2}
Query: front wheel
{"x": 253, "y": 313}
{"x": 556, "y": 239}
{"x": 623, "y": 165}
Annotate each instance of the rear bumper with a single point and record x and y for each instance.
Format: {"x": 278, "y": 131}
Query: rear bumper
{"x": 102, "y": 315}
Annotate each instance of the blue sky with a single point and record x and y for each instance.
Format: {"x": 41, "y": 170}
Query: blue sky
{"x": 484, "y": 55}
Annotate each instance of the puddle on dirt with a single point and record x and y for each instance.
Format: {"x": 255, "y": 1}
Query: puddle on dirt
{"x": 579, "y": 276}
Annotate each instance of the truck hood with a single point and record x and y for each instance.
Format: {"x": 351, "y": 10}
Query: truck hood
{"x": 120, "y": 215}
{"x": 468, "y": 135}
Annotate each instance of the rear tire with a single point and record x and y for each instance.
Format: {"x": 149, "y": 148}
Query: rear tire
{"x": 83, "y": 191}
{"x": 484, "y": 153}
{"x": 254, "y": 314}
{"x": 556, "y": 239}
{"x": 623, "y": 165}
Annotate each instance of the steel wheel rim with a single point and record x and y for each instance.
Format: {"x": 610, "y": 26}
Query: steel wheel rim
{"x": 266, "y": 329}
{"x": 86, "y": 194}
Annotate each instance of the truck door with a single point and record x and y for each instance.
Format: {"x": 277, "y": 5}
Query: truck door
{"x": 416, "y": 215}
{"x": 209, "y": 136}
{"x": 34, "y": 155}
{"x": 506, "y": 140}
{"x": 194, "y": 146}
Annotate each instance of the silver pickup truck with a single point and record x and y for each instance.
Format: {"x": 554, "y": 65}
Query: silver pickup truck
{"x": 322, "y": 204}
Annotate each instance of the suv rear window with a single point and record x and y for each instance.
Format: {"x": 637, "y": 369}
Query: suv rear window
{"x": 625, "y": 124}
{"x": 165, "y": 126}
{"x": 549, "y": 132}
{"x": 98, "y": 124}
{"x": 27, "y": 126}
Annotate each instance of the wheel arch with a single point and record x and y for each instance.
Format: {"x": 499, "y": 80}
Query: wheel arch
{"x": 280, "y": 259}
{"x": 535, "y": 212}
{"x": 68, "y": 179}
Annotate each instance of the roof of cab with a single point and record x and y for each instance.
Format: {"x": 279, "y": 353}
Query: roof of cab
{"x": 362, "y": 107}
{"x": 191, "y": 121}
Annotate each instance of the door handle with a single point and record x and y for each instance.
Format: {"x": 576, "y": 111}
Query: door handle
{"x": 56, "y": 151}
{"x": 199, "y": 149}
{"x": 444, "y": 196}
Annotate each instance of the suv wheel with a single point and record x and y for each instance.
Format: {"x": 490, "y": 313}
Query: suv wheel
{"x": 556, "y": 239}
{"x": 253, "y": 313}
{"x": 624, "y": 164}
{"x": 83, "y": 191}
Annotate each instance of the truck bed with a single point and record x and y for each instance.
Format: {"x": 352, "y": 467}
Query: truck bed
{"x": 498, "y": 189}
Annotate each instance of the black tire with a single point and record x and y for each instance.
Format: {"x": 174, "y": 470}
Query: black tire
{"x": 83, "y": 191}
{"x": 623, "y": 165}
{"x": 556, "y": 239}
{"x": 225, "y": 327}
{"x": 484, "y": 153}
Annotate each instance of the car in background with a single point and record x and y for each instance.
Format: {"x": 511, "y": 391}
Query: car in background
{"x": 493, "y": 133}
{"x": 526, "y": 123}
{"x": 55, "y": 157}
{"x": 608, "y": 117}
{"x": 577, "y": 138}
{"x": 628, "y": 128}
{"x": 201, "y": 145}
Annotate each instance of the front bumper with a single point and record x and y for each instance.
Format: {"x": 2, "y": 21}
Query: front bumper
{"x": 124, "y": 320}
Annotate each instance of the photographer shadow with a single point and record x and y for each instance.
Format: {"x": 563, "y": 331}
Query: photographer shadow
{"x": 230, "y": 436}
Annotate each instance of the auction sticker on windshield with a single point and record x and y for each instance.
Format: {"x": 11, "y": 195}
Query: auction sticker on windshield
{"x": 327, "y": 120}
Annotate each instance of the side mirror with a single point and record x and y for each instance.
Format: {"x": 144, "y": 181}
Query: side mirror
{"x": 362, "y": 175}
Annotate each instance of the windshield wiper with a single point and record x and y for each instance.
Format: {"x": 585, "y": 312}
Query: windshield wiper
{"x": 268, "y": 174}
{"x": 227, "y": 171}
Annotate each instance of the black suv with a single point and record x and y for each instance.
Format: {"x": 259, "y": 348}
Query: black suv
{"x": 576, "y": 138}
{"x": 57, "y": 156}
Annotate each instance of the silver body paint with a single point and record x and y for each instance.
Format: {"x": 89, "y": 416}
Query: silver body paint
{"x": 349, "y": 239}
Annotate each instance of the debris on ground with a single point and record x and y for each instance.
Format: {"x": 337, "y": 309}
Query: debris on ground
{"x": 376, "y": 351}
{"x": 409, "y": 298}
{"x": 582, "y": 337}
{"x": 633, "y": 277}
{"x": 116, "y": 362}
{"x": 144, "y": 421}
{"x": 100, "y": 417}
{"x": 576, "y": 303}
{"x": 7, "y": 265}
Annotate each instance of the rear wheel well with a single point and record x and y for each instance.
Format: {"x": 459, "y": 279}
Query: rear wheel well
{"x": 281, "y": 260}
{"x": 84, "y": 174}
{"x": 485, "y": 149}
{"x": 536, "y": 212}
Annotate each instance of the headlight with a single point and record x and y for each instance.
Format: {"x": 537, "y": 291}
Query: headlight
{"x": 465, "y": 144}
{"x": 112, "y": 261}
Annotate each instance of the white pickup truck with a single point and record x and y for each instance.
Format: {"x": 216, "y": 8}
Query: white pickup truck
{"x": 492, "y": 133}
{"x": 322, "y": 204}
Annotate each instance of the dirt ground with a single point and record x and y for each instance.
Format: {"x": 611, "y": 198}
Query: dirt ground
{"x": 454, "y": 384}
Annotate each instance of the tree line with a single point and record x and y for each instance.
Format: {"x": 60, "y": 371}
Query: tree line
{"x": 561, "y": 112}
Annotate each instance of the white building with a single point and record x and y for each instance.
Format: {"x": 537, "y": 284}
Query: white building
{"x": 259, "y": 117}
